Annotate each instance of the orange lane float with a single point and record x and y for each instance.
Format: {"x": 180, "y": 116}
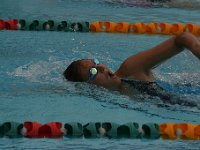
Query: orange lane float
{"x": 110, "y": 26}
{"x": 185, "y": 131}
{"x": 144, "y": 28}
{"x": 192, "y": 28}
{"x": 165, "y": 28}
{"x": 97, "y": 26}
{"x": 139, "y": 27}
{"x": 177, "y": 28}
{"x": 152, "y": 28}
{"x": 107, "y": 26}
{"x": 122, "y": 27}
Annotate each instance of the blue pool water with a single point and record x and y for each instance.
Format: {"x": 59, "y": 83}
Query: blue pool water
{"x": 33, "y": 88}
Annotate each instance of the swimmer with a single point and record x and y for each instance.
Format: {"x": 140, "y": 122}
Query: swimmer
{"x": 135, "y": 74}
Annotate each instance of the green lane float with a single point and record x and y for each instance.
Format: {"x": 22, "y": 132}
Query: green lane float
{"x": 151, "y": 131}
{"x": 131, "y": 130}
{"x": 37, "y": 25}
{"x": 73, "y": 129}
{"x": 41, "y": 25}
{"x": 110, "y": 129}
{"x": 150, "y": 28}
{"x": 11, "y": 129}
{"x": 91, "y": 129}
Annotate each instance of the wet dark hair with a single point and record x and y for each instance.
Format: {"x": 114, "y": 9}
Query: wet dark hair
{"x": 72, "y": 73}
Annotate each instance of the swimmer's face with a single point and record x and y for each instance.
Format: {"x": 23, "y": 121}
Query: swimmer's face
{"x": 104, "y": 77}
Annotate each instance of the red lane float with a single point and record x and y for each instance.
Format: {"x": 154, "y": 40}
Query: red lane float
{"x": 2, "y": 25}
{"x": 37, "y": 130}
{"x": 11, "y": 24}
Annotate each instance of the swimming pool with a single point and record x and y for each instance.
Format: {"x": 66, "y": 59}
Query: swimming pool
{"x": 33, "y": 88}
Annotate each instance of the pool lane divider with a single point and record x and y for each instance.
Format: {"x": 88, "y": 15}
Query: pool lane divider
{"x": 131, "y": 130}
{"x": 49, "y": 25}
{"x": 100, "y": 26}
{"x": 144, "y": 28}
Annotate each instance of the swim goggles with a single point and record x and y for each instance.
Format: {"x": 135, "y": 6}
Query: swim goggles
{"x": 93, "y": 71}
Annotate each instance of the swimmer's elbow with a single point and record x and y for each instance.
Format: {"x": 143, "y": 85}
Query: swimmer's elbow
{"x": 180, "y": 40}
{"x": 185, "y": 40}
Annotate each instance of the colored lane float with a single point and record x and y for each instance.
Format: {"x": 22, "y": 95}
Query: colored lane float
{"x": 100, "y": 26}
{"x": 131, "y": 130}
{"x": 49, "y": 25}
{"x": 144, "y": 28}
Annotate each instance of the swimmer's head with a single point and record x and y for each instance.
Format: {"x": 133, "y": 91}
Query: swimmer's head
{"x": 91, "y": 71}
{"x": 73, "y": 72}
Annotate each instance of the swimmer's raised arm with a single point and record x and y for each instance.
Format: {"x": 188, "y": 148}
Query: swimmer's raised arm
{"x": 189, "y": 41}
{"x": 139, "y": 65}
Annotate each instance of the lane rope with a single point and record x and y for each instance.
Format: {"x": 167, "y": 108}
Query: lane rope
{"x": 101, "y": 26}
{"x": 131, "y": 130}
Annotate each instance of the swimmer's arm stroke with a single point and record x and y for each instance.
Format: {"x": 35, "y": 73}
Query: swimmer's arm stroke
{"x": 139, "y": 65}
